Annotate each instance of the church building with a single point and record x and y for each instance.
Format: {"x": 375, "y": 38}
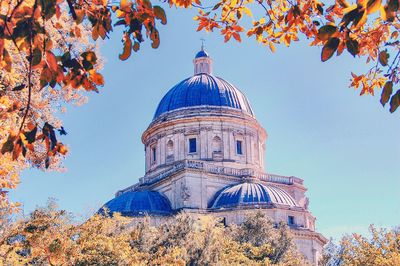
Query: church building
{"x": 204, "y": 153}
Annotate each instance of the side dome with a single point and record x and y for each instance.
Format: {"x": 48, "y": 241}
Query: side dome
{"x": 139, "y": 203}
{"x": 203, "y": 90}
{"x": 250, "y": 194}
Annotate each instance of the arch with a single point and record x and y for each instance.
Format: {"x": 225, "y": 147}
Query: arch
{"x": 170, "y": 147}
{"x": 217, "y": 144}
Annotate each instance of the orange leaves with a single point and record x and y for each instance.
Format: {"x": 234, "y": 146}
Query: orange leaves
{"x": 368, "y": 82}
{"x": 373, "y": 6}
{"x": 97, "y": 78}
{"x": 325, "y": 32}
{"x": 135, "y": 19}
{"x": 51, "y": 61}
{"x": 160, "y": 14}
{"x": 329, "y": 48}
{"x": 127, "y": 48}
{"x": 207, "y": 24}
{"x": 183, "y": 3}
{"x": 232, "y": 31}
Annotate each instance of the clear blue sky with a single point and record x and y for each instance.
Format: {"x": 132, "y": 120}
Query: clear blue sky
{"x": 345, "y": 147}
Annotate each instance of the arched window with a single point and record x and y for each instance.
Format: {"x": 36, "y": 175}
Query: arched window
{"x": 216, "y": 144}
{"x": 170, "y": 147}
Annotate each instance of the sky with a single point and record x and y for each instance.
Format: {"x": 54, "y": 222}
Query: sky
{"x": 345, "y": 147}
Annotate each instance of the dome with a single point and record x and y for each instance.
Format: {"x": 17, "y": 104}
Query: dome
{"x": 203, "y": 90}
{"x": 250, "y": 194}
{"x": 139, "y": 203}
{"x": 201, "y": 53}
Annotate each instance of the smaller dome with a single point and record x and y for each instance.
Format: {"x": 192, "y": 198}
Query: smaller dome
{"x": 202, "y": 53}
{"x": 139, "y": 203}
{"x": 251, "y": 194}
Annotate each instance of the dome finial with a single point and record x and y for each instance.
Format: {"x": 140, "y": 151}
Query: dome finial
{"x": 202, "y": 43}
{"x": 202, "y": 61}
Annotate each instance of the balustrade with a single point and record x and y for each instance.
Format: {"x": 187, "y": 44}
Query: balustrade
{"x": 220, "y": 170}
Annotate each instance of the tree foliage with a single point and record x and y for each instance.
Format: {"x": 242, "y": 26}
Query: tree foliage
{"x": 382, "y": 248}
{"x": 50, "y": 237}
{"x": 47, "y": 58}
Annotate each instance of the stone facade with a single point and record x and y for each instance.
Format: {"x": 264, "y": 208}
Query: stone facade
{"x": 195, "y": 152}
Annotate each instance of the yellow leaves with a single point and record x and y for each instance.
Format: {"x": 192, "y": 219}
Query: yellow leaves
{"x": 247, "y": 11}
{"x": 61, "y": 148}
{"x": 125, "y": 4}
{"x": 373, "y": 6}
{"x": 272, "y": 47}
{"x": 183, "y": 3}
{"x": 368, "y": 82}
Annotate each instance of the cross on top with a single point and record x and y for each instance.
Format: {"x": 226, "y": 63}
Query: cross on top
{"x": 202, "y": 43}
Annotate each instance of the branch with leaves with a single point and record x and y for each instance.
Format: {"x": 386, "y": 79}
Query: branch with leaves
{"x": 48, "y": 57}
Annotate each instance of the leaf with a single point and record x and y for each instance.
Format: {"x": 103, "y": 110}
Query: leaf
{"x": 352, "y": 47}
{"x": 136, "y": 46}
{"x": 320, "y": 9}
{"x": 329, "y": 48}
{"x": 383, "y": 58}
{"x": 395, "y": 102}
{"x": 127, "y": 48}
{"x": 48, "y": 131}
{"x": 37, "y": 56}
{"x": 17, "y": 149}
{"x": 61, "y": 148}
{"x": 272, "y": 47}
{"x": 373, "y": 6}
{"x": 393, "y": 5}
{"x": 51, "y": 61}
{"x": 6, "y": 62}
{"x": 19, "y": 87}
{"x": 325, "y": 32}
{"x": 89, "y": 56}
{"x": 125, "y": 4}
{"x": 386, "y": 92}
{"x": 155, "y": 37}
{"x": 8, "y": 146}
{"x": 97, "y": 78}
{"x": 66, "y": 57}
{"x": 47, "y": 162}
{"x": 160, "y": 14}
{"x": 236, "y": 36}
{"x": 31, "y": 135}
{"x": 62, "y": 131}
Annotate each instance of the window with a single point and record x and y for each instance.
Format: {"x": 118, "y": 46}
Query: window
{"x": 192, "y": 145}
{"x": 170, "y": 147}
{"x": 239, "y": 147}
{"x": 290, "y": 220}
{"x": 217, "y": 143}
{"x": 153, "y": 154}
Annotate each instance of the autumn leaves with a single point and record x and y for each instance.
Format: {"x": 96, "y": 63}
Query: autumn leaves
{"x": 135, "y": 17}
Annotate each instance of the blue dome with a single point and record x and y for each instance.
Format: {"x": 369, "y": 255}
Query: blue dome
{"x": 203, "y": 90}
{"x": 251, "y": 194}
{"x": 201, "y": 53}
{"x": 139, "y": 203}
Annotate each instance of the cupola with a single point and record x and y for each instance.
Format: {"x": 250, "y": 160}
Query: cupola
{"x": 202, "y": 62}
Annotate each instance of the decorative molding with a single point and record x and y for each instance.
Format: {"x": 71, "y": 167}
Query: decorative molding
{"x": 185, "y": 191}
